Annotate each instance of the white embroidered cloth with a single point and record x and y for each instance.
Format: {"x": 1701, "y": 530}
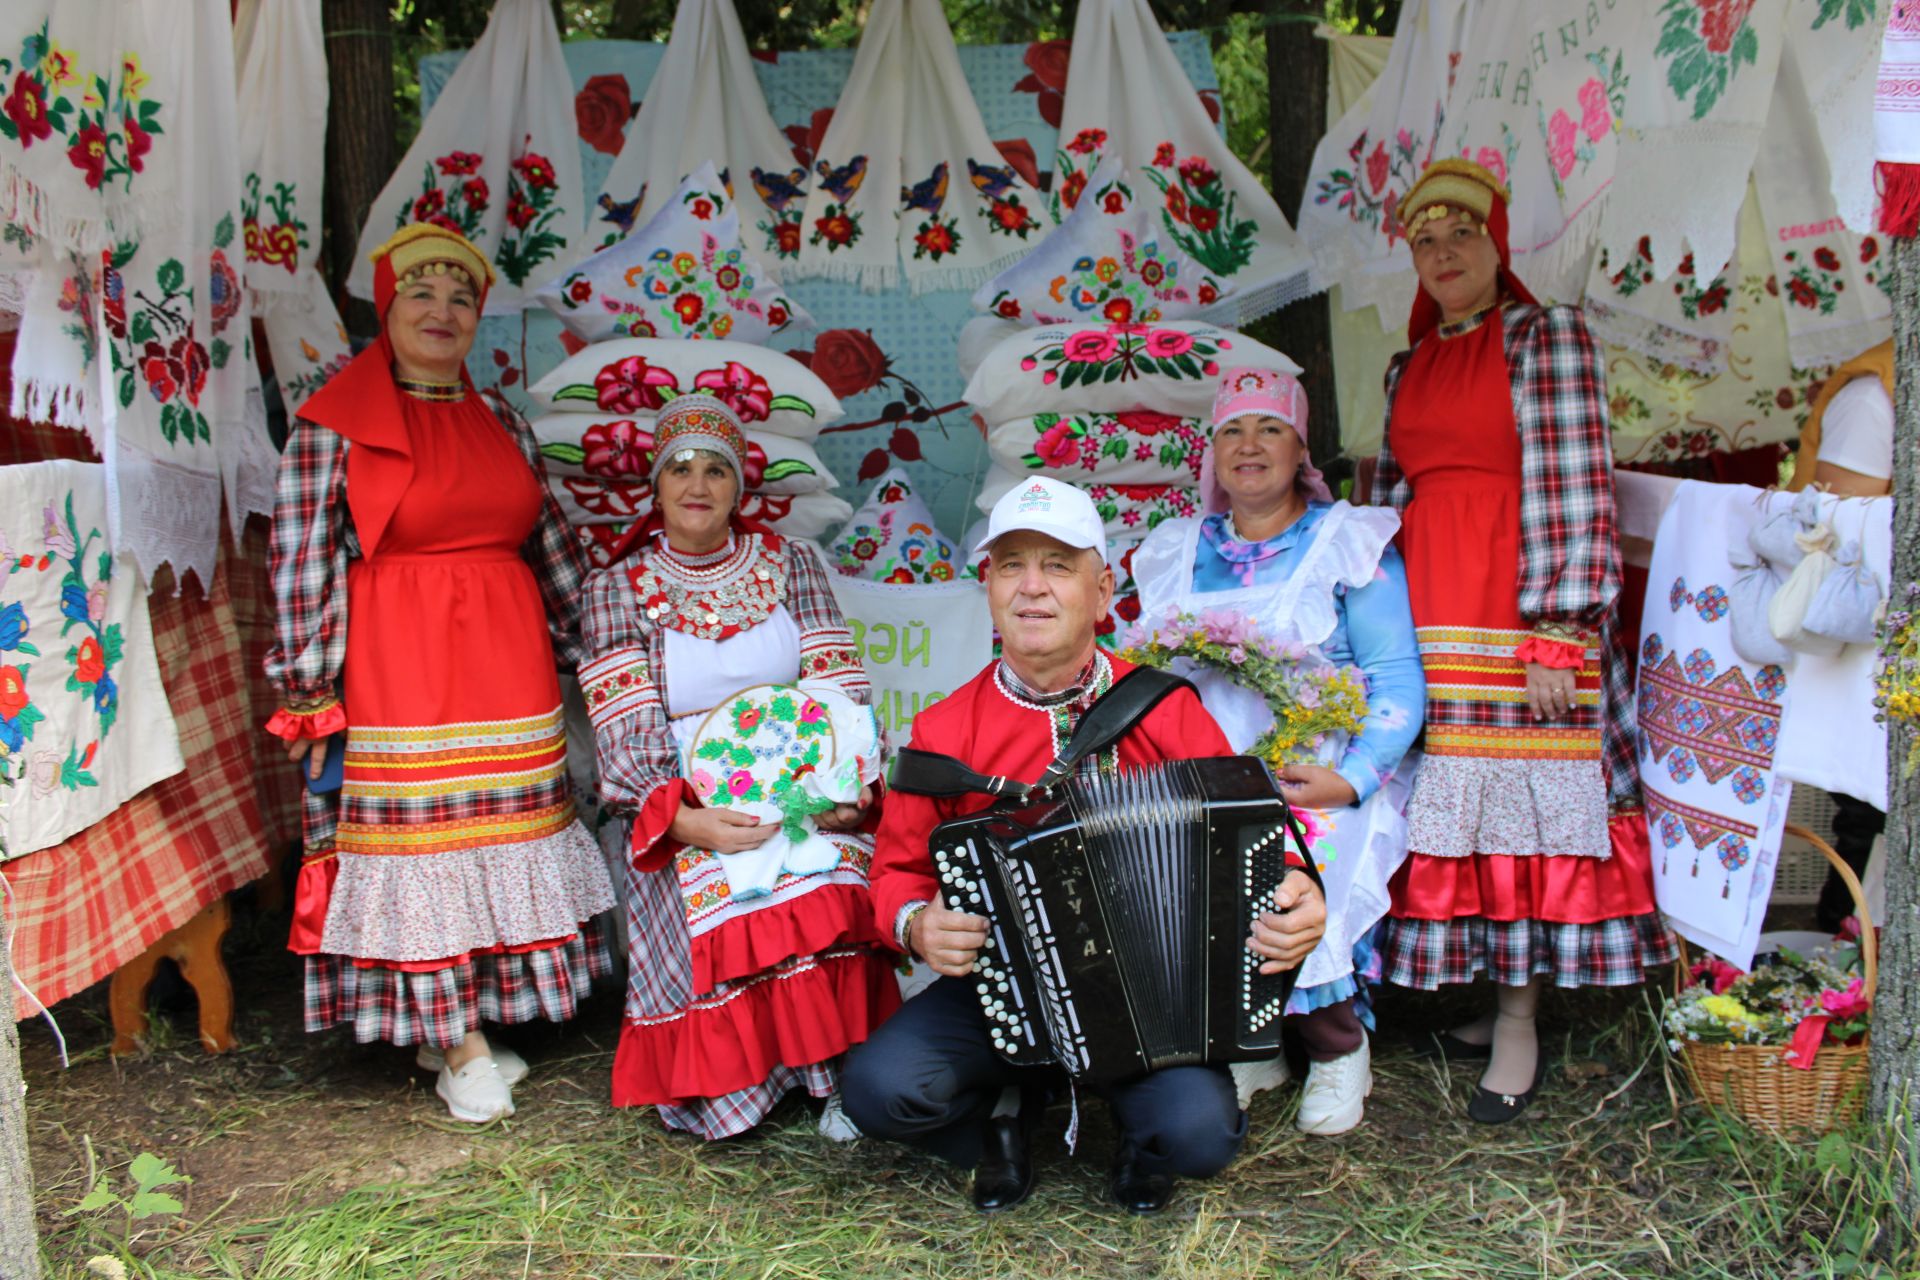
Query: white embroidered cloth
{"x": 907, "y": 183}
{"x": 1710, "y": 724}
{"x": 1127, "y": 96}
{"x": 497, "y": 159}
{"x": 1896, "y": 90}
{"x": 82, "y": 712}
{"x": 1686, "y": 321}
{"x": 705, "y": 104}
{"x": 1369, "y": 159}
{"x": 280, "y": 53}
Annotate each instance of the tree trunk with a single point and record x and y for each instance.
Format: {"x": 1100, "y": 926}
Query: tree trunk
{"x": 360, "y": 133}
{"x": 19, "y": 1246}
{"x": 1296, "y": 117}
{"x": 1896, "y": 1013}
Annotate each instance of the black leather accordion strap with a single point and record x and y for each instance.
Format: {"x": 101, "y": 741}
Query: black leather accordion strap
{"x": 931, "y": 773}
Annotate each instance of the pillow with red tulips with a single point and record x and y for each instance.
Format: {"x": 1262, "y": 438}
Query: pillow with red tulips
{"x": 631, "y": 377}
{"x": 621, "y": 450}
{"x": 683, "y": 275}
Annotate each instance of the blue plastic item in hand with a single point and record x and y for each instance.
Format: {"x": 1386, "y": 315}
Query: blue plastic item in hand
{"x": 333, "y": 772}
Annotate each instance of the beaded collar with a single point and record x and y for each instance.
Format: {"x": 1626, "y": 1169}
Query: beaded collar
{"x": 432, "y": 392}
{"x": 1064, "y": 708}
{"x": 714, "y": 596}
{"x": 1027, "y": 696}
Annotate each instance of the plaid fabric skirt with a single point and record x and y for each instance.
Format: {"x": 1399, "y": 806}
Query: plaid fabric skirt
{"x": 441, "y": 1006}
{"x": 1426, "y": 954}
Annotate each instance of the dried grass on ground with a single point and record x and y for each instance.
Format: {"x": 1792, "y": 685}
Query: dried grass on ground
{"x": 316, "y": 1158}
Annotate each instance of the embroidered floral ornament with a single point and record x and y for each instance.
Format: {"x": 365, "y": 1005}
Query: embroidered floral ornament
{"x": 695, "y": 423}
{"x": 426, "y": 249}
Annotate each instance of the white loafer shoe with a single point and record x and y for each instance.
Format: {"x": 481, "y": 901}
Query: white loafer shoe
{"x": 1250, "y": 1078}
{"x": 513, "y": 1068}
{"x": 1335, "y": 1095}
{"x": 475, "y": 1093}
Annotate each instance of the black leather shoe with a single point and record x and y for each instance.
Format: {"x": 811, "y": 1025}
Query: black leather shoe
{"x": 1004, "y": 1176}
{"x": 1135, "y": 1189}
{"x": 1489, "y": 1107}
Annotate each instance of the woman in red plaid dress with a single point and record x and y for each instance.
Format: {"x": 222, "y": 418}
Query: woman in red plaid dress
{"x": 420, "y": 567}
{"x": 1529, "y": 858}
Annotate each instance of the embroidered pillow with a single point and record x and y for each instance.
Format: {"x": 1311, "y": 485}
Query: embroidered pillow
{"x": 892, "y": 538}
{"x": 1110, "y": 260}
{"x": 1126, "y": 509}
{"x": 1170, "y": 368}
{"x": 769, "y": 390}
{"x": 683, "y": 275}
{"x": 1136, "y": 447}
{"x": 621, "y": 450}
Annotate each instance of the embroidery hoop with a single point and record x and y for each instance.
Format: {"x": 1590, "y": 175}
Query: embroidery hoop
{"x": 830, "y": 747}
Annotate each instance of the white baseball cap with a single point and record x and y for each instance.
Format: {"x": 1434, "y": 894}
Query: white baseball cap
{"x": 1052, "y": 507}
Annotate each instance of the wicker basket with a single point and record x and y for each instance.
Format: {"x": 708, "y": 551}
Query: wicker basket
{"x": 1754, "y": 1081}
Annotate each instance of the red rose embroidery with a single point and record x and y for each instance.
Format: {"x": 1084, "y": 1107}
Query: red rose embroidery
{"x": 601, "y": 109}
{"x": 688, "y": 307}
{"x": 1784, "y": 397}
{"x": 936, "y": 238}
{"x": 837, "y": 229}
{"x": 1058, "y": 445}
{"x": 1826, "y": 259}
{"x": 139, "y": 142}
{"x": 1145, "y": 422}
{"x": 1118, "y": 311}
{"x": 26, "y": 106}
{"x": 89, "y": 664}
{"x": 786, "y": 237}
{"x": 1802, "y": 294}
{"x": 89, "y": 154}
{"x": 1869, "y": 249}
{"x": 1720, "y": 22}
{"x": 13, "y": 693}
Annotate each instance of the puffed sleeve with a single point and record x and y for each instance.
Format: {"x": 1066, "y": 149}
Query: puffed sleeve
{"x": 551, "y": 549}
{"x": 639, "y": 768}
{"x": 1569, "y": 535}
{"x": 826, "y": 645}
{"x": 308, "y": 564}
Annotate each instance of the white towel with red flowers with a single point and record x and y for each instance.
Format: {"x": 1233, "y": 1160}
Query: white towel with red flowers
{"x": 497, "y": 159}
{"x": 907, "y": 183}
{"x": 1128, "y": 96}
{"x": 83, "y": 717}
{"x": 704, "y": 105}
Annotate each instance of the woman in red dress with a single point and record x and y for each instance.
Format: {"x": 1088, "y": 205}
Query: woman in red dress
{"x": 1529, "y": 858}
{"x": 424, "y": 581}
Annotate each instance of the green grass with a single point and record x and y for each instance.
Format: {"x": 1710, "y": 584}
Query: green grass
{"x": 1614, "y": 1174}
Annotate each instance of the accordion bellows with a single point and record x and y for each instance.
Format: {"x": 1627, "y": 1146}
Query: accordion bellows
{"x": 1120, "y": 915}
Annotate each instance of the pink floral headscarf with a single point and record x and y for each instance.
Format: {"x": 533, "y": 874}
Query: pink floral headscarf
{"x": 1261, "y": 391}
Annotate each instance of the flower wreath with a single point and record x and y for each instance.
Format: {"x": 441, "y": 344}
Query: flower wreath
{"x": 1309, "y": 700}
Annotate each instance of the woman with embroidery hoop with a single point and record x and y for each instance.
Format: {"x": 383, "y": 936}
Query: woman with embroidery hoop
{"x": 1528, "y": 857}
{"x": 1306, "y": 571}
{"x": 424, "y": 581}
{"x": 729, "y": 1007}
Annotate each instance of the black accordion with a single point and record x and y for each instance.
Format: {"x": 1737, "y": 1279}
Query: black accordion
{"x": 1120, "y": 910}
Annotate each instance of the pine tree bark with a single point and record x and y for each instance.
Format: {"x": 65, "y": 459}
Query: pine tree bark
{"x": 1296, "y": 117}
{"x": 360, "y": 134}
{"x": 1895, "y": 1099}
{"x": 19, "y": 1244}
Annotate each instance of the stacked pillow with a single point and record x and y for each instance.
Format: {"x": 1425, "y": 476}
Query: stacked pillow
{"x": 1091, "y": 361}
{"x": 677, "y": 306}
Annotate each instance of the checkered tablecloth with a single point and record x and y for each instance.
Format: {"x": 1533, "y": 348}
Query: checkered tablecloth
{"x": 84, "y": 907}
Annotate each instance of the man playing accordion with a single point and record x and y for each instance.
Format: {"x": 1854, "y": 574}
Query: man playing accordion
{"x": 930, "y": 1076}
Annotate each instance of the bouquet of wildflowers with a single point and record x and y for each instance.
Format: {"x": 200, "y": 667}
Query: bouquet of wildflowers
{"x": 1896, "y": 681}
{"x": 1794, "y": 1001}
{"x": 1309, "y": 699}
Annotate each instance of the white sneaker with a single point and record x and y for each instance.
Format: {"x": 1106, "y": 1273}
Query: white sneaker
{"x": 513, "y": 1067}
{"x": 1250, "y": 1078}
{"x": 835, "y": 1124}
{"x": 475, "y": 1093}
{"x": 1336, "y": 1093}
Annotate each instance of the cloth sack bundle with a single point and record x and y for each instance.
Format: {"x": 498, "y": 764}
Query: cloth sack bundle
{"x": 1812, "y": 589}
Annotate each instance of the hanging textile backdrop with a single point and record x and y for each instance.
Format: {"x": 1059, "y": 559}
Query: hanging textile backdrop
{"x": 889, "y": 357}
{"x": 1661, "y": 411}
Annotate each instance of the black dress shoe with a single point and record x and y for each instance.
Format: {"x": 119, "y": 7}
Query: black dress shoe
{"x": 1004, "y": 1176}
{"x": 1489, "y": 1107}
{"x": 1134, "y": 1188}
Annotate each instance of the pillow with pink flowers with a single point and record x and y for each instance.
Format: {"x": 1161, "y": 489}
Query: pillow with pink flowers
{"x": 1135, "y": 447}
{"x": 1172, "y": 368}
{"x": 1109, "y": 260}
{"x": 892, "y": 538}
{"x": 683, "y": 275}
{"x": 621, "y": 450}
{"x": 627, "y": 377}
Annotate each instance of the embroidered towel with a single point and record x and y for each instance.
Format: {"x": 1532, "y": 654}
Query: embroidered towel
{"x": 83, "y": 716}
{"x": 497, "y": 159}
{"x": 280, "y": 54}
{"x": 705, "y": 104}
{"x": 1128, "y": 97}
{"x": 1710, "y": 725}
{"x": 907, "y": 182}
